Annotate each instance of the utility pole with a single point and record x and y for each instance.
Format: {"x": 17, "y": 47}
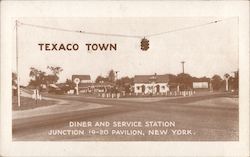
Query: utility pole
{"x": 183, "y": 62}
{"x": 17, "y": 71}
{"x": 116, "y": 75}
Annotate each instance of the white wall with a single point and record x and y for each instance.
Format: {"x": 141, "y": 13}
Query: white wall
{"x": 148, "y": 87}
{"x": 85, "y": 81}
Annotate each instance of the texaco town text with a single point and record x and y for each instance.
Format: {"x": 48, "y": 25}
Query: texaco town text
{"x": 75, "y": 47}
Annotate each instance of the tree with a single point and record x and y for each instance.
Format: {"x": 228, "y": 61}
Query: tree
{"x": 185, "y": 81}
{"x": 37, "y": 77}
{"x": 172, "y": 78}
{"x": 124, "y": 84}
{"x": 204, "y": 79}
{"x": 216, "y": 82}
{"x": 14, "y": 84}
{"x": 51, "y": 79}
{"x": 111, "y": 76}
{"x": 55, "y": 71}
{"x": 100, "y": 79}
{"x": 234, "y": 81}
{"x": 68, "y": 85}
{"x": 14, "y": 79}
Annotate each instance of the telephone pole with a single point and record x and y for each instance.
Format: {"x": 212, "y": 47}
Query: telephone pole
{"x": 116, "y": 75}
{"x": 183, "y": 62}
{"x": 17, "y": 71}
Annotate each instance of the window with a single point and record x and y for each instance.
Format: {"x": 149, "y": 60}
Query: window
{"x": 163, "y": 87}
{"x": 138, "y": 87}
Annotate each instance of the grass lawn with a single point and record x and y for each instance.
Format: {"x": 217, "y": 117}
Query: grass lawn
{"x": 28, "y": 103}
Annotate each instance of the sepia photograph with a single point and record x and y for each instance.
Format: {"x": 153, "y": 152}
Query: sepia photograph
{"x": 125, "y": 79}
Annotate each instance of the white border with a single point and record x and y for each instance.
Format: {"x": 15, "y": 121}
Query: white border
{"x": 14, "y": 9}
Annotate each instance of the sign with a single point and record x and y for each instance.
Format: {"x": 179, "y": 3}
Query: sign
{"x": 77, "y": 80}
{"x": 200, "y": 85}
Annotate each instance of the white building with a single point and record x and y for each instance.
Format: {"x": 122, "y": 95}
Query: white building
{"x": 151, "y": 84}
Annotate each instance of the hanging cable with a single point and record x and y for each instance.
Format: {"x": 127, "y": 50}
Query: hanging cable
{"x": 181, "y": 29}
{"x": 79, "y": 31}
{"x": 188, "y": 27}
{"x": 123, "y": 35}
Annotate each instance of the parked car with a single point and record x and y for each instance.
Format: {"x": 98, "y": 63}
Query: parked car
{"x": 53, "y": 89}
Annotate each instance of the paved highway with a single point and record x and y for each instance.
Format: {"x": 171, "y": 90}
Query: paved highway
{"x": 196, "y": 118}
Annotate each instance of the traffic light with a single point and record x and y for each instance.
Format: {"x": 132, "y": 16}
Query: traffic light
{"x": 144, "y": 44}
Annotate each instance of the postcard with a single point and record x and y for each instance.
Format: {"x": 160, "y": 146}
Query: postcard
{"x": 158, "y": 79}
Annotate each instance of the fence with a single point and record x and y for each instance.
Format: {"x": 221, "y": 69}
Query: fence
{"x": 167, "y": 94}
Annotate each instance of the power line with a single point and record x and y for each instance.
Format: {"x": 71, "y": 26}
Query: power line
{"x": 189, "y": 27}
{"x": 184, "y": 28}
{"x": 122, "y": 35}
{"x": 79, "y": 31}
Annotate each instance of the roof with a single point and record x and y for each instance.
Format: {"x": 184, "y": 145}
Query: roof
{"x": 61, "y": 84}
{"x": 81, "y": 77}
{"x": 150, "y": 78}
{"x": 95, "y": 84}
{"x": 53, "y": 86}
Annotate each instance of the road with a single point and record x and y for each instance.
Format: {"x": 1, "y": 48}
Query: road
{"x": 197, "y": 118}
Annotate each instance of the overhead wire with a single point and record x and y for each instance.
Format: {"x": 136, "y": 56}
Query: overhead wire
{"x": 184, "y": 28}
{"x": 122, "y": 35}
{"x": 79, "y": 31}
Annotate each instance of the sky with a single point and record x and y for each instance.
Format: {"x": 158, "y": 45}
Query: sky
{"x": 206, "y": 50}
